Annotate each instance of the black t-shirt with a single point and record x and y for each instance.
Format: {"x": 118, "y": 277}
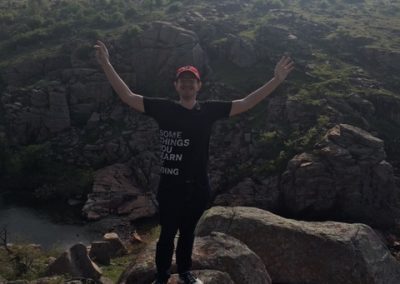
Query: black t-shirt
{"x": 184, "y": 137}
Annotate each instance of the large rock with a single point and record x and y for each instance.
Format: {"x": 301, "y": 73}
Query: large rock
{"x": 345, "y": 177}
{"x": 75, "y": 262}
{"x": 114, "y": 192}
{"x": 207, "y": 276}
{"x": 306, "y": 252}
{"x": 263, "y": 194}
{"x": 117, "y": 248}
{"x": 100, "y": 252}
{"x": 214, "y": 252}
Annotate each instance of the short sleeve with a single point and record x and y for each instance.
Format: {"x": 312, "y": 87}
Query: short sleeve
{"x": 155, "y": 107}
{"x": 217, "y": 109}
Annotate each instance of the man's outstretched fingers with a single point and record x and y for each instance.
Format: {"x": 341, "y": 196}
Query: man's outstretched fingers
{"x": 281, "y": 60}
{"x": 287, "y": 60}
{"x": 289, "y": 65}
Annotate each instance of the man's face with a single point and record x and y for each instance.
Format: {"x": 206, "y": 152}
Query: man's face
{"x": 187, "y": 85}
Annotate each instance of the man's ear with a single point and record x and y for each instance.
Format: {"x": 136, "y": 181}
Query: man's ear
{"x": 200, "y": 84}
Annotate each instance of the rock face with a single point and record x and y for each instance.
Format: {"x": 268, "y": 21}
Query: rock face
{"x": 345, "y": 176}
{"x": 75, "y": 262}
{"x": 306, "y": 252}
{"x": 385, "y": 59}
{"x": 230, "y": 259}
{"x": 386, "y": 106}
{"x": 264, "y": 194}
{"x": 163, "y": 47}
{"x": 33, "y": 115}
{"x": 114, "y": 193}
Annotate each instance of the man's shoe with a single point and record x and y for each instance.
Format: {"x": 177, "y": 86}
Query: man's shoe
{"x": 188, "y": 278}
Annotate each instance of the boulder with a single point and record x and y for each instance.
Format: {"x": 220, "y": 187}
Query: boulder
{"x": 208, "y": 276}
{"x": 114, "y": 192}
{"x": 306, "y": 252}
{"x": 344, "y": 177}
{"x": 75, "y": 262}
{"x": 217, "y": 251}
{"x": 263, "y": 194}
{"x": 116, "y": 246}
{"x": 100, "y": 252}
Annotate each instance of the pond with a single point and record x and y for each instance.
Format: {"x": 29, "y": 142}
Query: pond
{"x": 34, "y": 225}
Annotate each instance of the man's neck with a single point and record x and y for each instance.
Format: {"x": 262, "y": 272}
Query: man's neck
{"x": 189, "y": 104}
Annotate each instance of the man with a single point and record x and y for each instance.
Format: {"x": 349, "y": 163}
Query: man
{"x": 185, "y": 128}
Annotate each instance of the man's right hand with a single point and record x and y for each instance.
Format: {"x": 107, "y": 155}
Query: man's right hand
{"x": 102, "y": 55}
{"x": 123, "y": 91}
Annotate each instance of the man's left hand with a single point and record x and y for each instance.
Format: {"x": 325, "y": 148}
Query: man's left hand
{"x": 283, "y": 68}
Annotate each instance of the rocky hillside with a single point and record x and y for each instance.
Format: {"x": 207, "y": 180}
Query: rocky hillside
{"x": 63, "y": 129}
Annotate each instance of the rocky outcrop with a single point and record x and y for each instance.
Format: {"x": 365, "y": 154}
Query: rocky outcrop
{"x": 346, "y": 176}
{"x": 238, "y": 50}
{"x": 75, "y": 262}
{"x": 29, "y": 71}
{"x": 36, "y": 114}
{"x": 306, "y": 252}
{"x": 229, "y": 259}
{"x": 302, "y": 114}
{"x": 161, "y": 48}
{"x": 386, "y": 106}
{"x": 384, "y": 58}
{"x": 114, "y": 192}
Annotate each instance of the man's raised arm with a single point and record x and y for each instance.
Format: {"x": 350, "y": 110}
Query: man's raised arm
{"x": 282, "y": 69}
{"x": 123, "y": 91}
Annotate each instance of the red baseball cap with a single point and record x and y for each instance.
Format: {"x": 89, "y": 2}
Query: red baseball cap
{"x": 188, "y": 68}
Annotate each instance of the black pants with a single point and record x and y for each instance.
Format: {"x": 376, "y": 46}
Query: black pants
{"x": 180, "y": 208}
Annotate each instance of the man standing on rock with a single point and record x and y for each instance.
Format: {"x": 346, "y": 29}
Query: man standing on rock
{"x": 185, "y": 128}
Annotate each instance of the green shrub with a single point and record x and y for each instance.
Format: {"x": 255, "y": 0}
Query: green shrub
{"x": 130, "y": 34}
{"x": 32, "y": 170}
{"x": 131, "y": 13}
{"x": 117, "y": 19}
{"x": 260, "y": 5}
{"x": 34, "y": 22}
{"x": 69, "y": 10}
{"x": 26, "y": 262}
{"x": 28, "y": 38}
{"x": 270, "y": 143}
{"x": 174, "y": 7}
{"x": 61, "y": 29}
{"x": 7, "y": 18}
{"x": 90, "y": 35}
{"x": 84, "y": 52}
